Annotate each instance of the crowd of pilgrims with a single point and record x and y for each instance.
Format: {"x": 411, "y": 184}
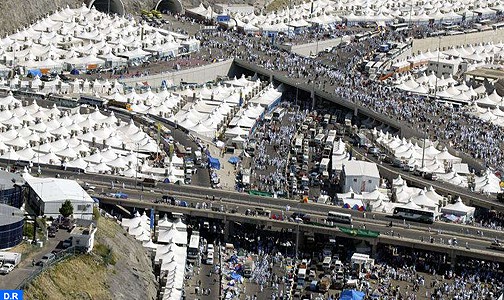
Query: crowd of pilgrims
{"x": 457, "y": 127}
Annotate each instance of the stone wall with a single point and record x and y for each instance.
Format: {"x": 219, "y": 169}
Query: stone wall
{"x": 197, "y": 75}
{"x": 458, "y": 40}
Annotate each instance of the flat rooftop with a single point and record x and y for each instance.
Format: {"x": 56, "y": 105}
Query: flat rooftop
{"x": 487, "y": 73}
{"x": 9, "y": 214}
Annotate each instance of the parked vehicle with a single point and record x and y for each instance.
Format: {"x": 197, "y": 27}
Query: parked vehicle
{"x": 49, "y": 257}
{"x": 6, "y": 268}
{"x": 67, "y": 243}
{"x": 51, "y": 231}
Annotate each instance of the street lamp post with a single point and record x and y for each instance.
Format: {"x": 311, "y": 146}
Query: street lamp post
{"x": 136, "y": 167}
{"x": 435, "y": 95}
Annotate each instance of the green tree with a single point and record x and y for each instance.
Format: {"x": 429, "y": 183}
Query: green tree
{"x": 66, "y": 209}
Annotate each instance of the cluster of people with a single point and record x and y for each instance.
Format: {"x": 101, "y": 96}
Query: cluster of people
{"x": 469, "y": 279}
{"x": 464, "y": 132}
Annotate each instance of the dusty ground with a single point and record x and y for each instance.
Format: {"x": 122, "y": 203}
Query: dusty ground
{"x": 118, "y": 268}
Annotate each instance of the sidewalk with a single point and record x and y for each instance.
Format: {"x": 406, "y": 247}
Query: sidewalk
{"x": 25, "y": 268}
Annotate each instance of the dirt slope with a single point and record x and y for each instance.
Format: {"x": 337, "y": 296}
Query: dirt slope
{"x": 118, "y": 268}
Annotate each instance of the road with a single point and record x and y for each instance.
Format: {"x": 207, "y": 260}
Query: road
{"x": 194, "y": 194}
{"x": 410, "y": 237}
{"x": 318, "y": 212}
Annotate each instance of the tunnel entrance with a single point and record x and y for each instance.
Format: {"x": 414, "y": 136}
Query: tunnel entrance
{"x": 108, "y": 6}
{"x": 173, "y": 6}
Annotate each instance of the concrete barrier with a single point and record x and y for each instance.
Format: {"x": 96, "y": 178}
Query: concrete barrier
{"x": 306, "y": 49}
{"x": 456, "y": 40}
{"x": 197, "y": 75}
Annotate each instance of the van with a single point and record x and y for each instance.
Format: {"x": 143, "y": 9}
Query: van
{"x": 46, "y": 259}
{"x": 327, "y": 263}
{"x": 210, "y": 258}
{"x": 149, "y": 182}
{"x": 197, "y": 157}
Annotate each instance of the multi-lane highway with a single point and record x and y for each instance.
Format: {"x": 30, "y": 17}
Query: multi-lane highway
{"x": 403, "y": 235}
{"x": 194, "y": 194}
{"x": 476, "y": 238}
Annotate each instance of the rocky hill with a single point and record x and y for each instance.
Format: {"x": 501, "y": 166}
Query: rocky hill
{"x": 117, "y": 268}
{"x": 15, "y": 14}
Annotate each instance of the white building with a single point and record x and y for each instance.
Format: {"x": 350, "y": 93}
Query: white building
{"x": 83, "y": 234}
{"x": 232, "y": 8}
{"x": 446, "y": 67}
{"x": 46, "y": 195}
{"x": 359, "y": 175}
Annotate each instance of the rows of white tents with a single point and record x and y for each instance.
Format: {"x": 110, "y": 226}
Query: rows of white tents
{"x": 169, "y": 252}
{"x": 487, "y": 106}
{"x": 426, "y": 199}
{"x": 429, "y": 200}
{"x": 234, "y": 108}
{"x": 57, "y": 86}
{"x": 84, "y": 38}
{"x": 93, "y": 142}
{"x": 326, "y": 12}
{"x": 448, "y": 167}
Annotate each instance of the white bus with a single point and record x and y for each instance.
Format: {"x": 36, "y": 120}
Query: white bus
{"x": 194, "y": 242}
{"x": 498, "y": 25}
{"x": 418, "y": 215}
{"x": 339, "y": 217}
{"x": 399, "y": 27}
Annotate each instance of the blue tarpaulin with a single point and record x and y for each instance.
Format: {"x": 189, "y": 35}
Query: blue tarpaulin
{"x": 235, "y": 276}
{"x": 352, "y": 295}
{"x": 233, "y": 160}
{"x": 35, "y": 72}
{"x": 74, "y": 72}
{"x": 214, "y": 163}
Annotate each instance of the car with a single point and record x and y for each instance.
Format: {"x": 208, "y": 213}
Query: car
{"x": 46, "y": 259}
{"x": 66, "y": 224}
{"x": 47, "y": 78}
{"x": 497, "y": 245}
{"x": 87, "y": 187}
{"x": 373, "y": 150}
{"x": 67, "y": 243}
{"x": 64, "y": 78}
{"x": 430, "y": 176}
{"x": 51, "y": 231}
{"x": 6, "y": 268}
{"x": 299, "y": 215}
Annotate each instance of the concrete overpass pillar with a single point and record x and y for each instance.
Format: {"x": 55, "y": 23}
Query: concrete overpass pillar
{"x": 226, "y": 228}
{"x": 313, "y": 99}
{"x": 374, "y": 248}
{"x": 453, "y": 258}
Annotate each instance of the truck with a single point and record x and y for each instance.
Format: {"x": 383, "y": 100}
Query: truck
{"x": 327, "y": 263}
{"x": 197, "y": 157}
{"x": 249, "y": 267}
{"x": 13, "y": 258}
{"x": 324, "y": 165}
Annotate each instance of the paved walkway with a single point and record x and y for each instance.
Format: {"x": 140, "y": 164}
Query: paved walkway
{"x": 25, "y": 268}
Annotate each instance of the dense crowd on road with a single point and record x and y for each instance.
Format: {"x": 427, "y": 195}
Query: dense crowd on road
{"x": 457, "y": 128}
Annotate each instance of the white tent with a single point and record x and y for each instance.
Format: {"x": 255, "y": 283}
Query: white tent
{"x": 458, "y": 209}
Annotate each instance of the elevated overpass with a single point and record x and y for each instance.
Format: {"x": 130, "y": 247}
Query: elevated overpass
{"x": 477, "y": 250}
{"x": 403, "y": 128}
